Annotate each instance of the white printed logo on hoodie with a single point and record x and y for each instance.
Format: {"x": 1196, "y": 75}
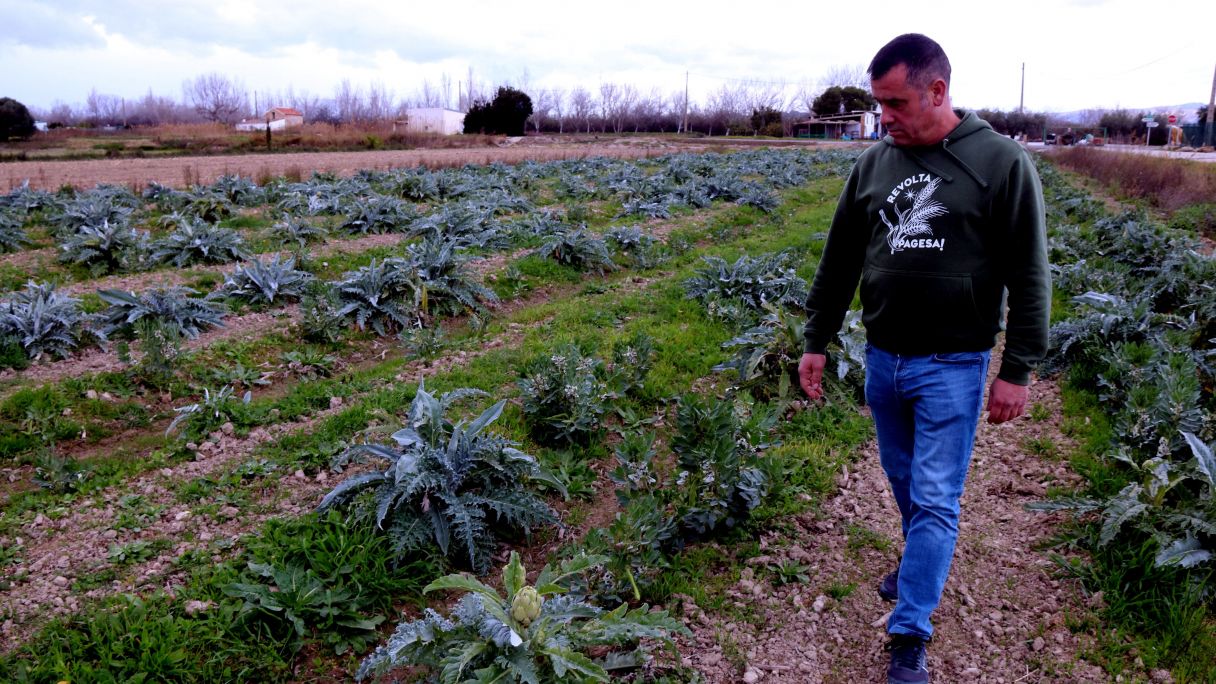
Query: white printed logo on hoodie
{"x": 911, "y": 229}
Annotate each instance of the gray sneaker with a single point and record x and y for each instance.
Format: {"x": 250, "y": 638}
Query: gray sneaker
{"x": 909, "y": 664}
{"x": 888, "y": 588}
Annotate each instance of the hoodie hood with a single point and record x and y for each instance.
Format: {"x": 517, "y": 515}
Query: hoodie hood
{"x": 968, "y": 125}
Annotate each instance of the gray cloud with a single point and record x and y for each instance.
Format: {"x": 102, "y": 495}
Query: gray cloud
{"x": 200, "y": 25}
{"x": 42, "y": 26}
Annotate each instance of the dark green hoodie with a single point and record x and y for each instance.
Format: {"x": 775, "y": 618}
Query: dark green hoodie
{"x": 938, "y": 235}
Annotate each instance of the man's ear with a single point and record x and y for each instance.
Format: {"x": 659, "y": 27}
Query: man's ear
{"x": 937, "y": 91}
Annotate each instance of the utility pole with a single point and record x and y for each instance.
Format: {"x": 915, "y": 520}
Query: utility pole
{"x": 1207, "y": 133}
{"x": 686, "y": 106}
{"x": 1022, "y": 99}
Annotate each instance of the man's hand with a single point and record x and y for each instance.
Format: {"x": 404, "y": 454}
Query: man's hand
{"x": 1006, "y": 401}
{"x": 810, "y": 375}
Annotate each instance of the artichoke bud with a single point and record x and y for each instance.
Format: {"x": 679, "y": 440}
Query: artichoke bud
{"x": 525, "y": 607}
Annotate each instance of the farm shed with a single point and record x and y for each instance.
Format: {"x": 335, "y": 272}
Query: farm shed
{"x": 434, "y": 120}
{"x": 278, "y": 119}
{"x": 855, "y": 125}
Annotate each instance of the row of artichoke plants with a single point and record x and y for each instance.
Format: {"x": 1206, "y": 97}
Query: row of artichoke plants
{"x": 96, "y": 230}
{"x": 385, "y": 295}
{"x": 457, "y": 487}
{"x": 708, "y": 479}
{"x": 1141, "y": 336}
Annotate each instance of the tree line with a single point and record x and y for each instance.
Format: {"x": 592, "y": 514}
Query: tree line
{"x": 738, "y": 108}
{"x": 732, "y": 108}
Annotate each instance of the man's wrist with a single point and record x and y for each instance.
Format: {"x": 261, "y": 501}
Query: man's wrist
{"x": 809, "y": 347}
{"x": 1014, "y": 375}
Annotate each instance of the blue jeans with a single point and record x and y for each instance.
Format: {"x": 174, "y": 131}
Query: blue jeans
{"x": 925, "y": 412}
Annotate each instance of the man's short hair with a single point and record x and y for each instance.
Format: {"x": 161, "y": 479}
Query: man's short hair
{"x": 924, "y": 58}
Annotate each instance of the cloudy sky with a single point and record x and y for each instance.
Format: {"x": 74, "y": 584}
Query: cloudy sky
{"x": 1078, "y": 53}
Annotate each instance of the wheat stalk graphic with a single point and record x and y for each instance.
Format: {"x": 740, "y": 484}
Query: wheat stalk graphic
{"x": 915, "y": 219}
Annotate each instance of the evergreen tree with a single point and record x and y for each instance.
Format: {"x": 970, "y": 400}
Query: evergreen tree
{"x": 506, "y": 114}
{"x": 839, "y": 100}
{"x": 15, "y": 119}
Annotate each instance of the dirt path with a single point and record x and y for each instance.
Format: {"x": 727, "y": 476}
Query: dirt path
{"x": 57, "y": 554}
{"x": 185, "y": 171}
{"x": 96, "y": 360}
{"x": 1004, "y": 614}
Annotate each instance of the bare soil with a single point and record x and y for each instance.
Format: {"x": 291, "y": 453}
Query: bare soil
{"x": 1005, "y": 612}
{"x": 57, "y": 554}
{"x": 1006, "y": 615}
{"x": 185, "y": 171}
{"x": 96, "y": 360}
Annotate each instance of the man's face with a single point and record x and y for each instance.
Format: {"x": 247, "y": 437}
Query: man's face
{"x": 907, "y": 111}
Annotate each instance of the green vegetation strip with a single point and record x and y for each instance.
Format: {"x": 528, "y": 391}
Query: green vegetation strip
{"x": 198, "y": 634}
{"x": 1135, "y": 341}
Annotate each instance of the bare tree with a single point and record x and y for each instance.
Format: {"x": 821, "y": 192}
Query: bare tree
{"x": 323, "y": 111}
{"x": 62, "y": 114}
{"x": 445, "y": 90}
{"x": 725, "y": 107}
{"x": 647, "y": 110}
{"x": 557, "y": 102}
{"x": 216, "y": 97}
{"x": 541, "y": 105}
{"x": 102, "y": 109}
{"x": 153, "y": 110}
{"x": 380, "y": 103}
{"x": 616, "y": 102}
{"x": 804, "y": 97}
{"x": 610, "y": 94}
{"x": 844, "y": 75}
{"x": 625, "y": 106}
{"x": 348, "y": 101}
{"x": 474, "y": 92}
{"x": 766, "y": 95}
{"x": 525, "y": 81}
{"x": 582, "y": 106}
{"x": 678, "y": 105}
{"x": 428, "y": 95}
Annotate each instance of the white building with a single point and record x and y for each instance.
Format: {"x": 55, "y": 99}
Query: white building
{"x": 277, "y": 119}
{"x": 434, "y": 120}
{"x": 855, "y": 125}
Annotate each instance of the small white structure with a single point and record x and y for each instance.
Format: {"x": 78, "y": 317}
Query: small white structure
{"x": 277, "y": 119}
{"x": 434, "y": 120}
{"x": 856, "y": 125}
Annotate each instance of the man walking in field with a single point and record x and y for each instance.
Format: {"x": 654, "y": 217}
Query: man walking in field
{"x": 943, "y": 224}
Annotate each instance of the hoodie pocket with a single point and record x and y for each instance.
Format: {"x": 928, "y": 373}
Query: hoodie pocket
{"x": 920, "y": 310}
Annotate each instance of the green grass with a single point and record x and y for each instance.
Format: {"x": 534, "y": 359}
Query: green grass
{"x": 1045, "y": 447}
{"x": 1152, "y": 613}
{"x": 840, "y": 590}
{"x": 1039, "y": 412}
{"x": 815, "y": 444}
{"x": 862, "y": 537}
{"x": 13, "y": 277}
{"x": 703, "y": 573}
{"x": 333, "y": 266}
{"x": 1148, "y": 612}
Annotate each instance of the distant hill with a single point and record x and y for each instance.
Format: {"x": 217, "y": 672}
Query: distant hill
{"x": 1185, "y": 112}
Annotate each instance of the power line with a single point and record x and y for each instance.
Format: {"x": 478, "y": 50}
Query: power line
{"x": 1089, "y": 76}
{"x": 1181, "y": 49}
